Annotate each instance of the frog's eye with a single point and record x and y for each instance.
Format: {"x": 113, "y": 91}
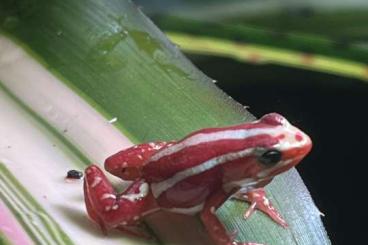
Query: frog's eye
{"x": 270, "y": 157}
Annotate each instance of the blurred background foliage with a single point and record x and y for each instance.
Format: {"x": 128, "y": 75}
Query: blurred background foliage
{"x": 327, "y": 98}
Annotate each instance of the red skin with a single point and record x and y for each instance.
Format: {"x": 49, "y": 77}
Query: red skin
{"x": 153, "y": 175}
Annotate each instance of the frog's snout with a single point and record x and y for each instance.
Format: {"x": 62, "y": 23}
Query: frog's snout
{"x": 300, "y": 147}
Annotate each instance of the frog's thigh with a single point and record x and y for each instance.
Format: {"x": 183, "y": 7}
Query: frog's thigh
{"x": 111, "y": 209}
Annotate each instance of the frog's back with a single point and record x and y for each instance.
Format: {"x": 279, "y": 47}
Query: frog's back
{"x": 197, "y": 149}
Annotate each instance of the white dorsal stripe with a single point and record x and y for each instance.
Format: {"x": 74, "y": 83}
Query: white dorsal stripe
{"x": 160, "y": 187}
{"x": 215, "y": 136}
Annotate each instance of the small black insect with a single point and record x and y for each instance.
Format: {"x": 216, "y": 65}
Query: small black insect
{"x": 74, "y": 174}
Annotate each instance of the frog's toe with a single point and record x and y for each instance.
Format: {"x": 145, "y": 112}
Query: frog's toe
{"x": 258, "y": 200}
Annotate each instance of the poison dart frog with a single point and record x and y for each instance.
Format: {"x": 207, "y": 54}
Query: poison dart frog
{"x": 196, "y": 175}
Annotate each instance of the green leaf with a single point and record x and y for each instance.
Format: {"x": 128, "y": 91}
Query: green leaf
{"x": 4, "y": 240}
{"x": 39, "y": 158}
{"x": 118, "y": 62}
{"x": 42, "y": 228}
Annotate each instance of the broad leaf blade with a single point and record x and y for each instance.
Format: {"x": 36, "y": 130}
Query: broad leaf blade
{"x": 125, "y": 68}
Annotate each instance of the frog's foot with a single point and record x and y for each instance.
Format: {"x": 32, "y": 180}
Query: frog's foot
{"x": 111, "y": 210}
{"x": 258, "y": 200}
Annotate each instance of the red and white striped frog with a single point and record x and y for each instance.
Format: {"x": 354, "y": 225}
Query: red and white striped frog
{"x": 196, "y": 175}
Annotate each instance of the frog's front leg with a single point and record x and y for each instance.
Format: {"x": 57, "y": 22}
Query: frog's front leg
{"x": 111, "y": 210}
{"x": 127, "y": 164}
{"x": 213, "y": 225}
{"x": 258, "y": 200}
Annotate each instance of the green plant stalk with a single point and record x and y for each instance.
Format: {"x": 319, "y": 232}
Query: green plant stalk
{"x": 260, "y": 54}
{"x": 263, "y": 35}
{"x": 126, "y": 68}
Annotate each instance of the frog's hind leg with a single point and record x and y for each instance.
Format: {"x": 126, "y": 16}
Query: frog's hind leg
{"x": 112, "y": 210}
{"x": 213, "y": 225}
{"x": 127, "y": 164}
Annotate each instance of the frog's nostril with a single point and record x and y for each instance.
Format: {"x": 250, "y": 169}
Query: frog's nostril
{"x": 298, "y": 137}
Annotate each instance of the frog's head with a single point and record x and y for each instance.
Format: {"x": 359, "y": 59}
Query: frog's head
{"x": 290, "y": 146}
{"x": 276, "y": 146}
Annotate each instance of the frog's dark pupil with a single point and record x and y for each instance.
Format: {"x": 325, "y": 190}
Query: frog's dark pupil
{"x": 74, "y": 174}
{"x": 270, "y": 157}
